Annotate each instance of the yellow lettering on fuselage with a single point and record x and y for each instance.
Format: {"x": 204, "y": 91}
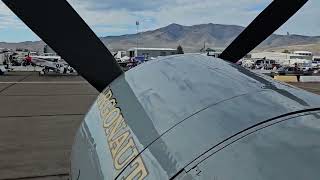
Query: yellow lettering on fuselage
{"x": 138, "y": 171}
{"x": 121, "y": 144}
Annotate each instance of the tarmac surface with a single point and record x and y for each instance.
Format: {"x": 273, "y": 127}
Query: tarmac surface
{"x": 39, "y": 116}
{"x": 311, "y": 87}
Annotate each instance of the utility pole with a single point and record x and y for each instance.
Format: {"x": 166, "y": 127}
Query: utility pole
{"x": 137, "y": 24}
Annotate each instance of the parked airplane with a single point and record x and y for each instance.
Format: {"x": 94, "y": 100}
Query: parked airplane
{"x": 185, "y": 116}
{"x": 49, "y": 62}
{"x": 40, "y": 59}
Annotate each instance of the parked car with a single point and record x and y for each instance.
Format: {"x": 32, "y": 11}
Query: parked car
{"x": 288, "y": 71}
{"x": 265, "y": 64}
{"x": 308, "y": 71}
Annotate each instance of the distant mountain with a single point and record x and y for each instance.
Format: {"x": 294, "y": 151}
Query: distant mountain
{"x": 31, "y": 45}
{"x": 192, "y": 38}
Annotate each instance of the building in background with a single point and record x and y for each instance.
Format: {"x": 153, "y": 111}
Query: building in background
{"x": 280, "y": 56}
{"x": 316, "y": 58}
{"x": 215, "y": 54}
{"x": 298, "y": 57}
{"x": 303, "y": 53}
{"x": 48, "y": 49}
{"x": 121, "y": 56}
{"x": 2, "y": 57}
{"x": 149, "y": 53}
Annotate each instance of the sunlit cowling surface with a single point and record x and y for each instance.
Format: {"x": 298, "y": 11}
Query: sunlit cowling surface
{"x": 181, "y": 109}
{"x": 287, "y": 150}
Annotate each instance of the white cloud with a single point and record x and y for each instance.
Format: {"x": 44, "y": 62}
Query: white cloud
{"x": 306, "y": 21}
{"x": 95, "y": 18}
{"x": 186, "y": 12}
{"x": 8, "y": 19}
{"x": 110, "y": 17}
{"x": 228, "y": 12}
{"x": 190, "y": 12}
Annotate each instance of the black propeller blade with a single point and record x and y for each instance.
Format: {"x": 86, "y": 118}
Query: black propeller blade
{"x": 276, "y": 14}
{"x": 59, "y": 25}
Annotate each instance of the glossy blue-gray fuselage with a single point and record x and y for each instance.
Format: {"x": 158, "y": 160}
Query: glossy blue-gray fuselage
{"x": 197, "y": 117}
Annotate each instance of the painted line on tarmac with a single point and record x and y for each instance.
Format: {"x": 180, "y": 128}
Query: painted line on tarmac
{"x": 12, "y": 84}
{"x": 38, "y": 176}
{"x": 46, "y": 95}
{"x": 312, "y": 89}
{"x": 45, "y": 82}
{"x": 308, "y": 88}
{"x": 41, "y": 115}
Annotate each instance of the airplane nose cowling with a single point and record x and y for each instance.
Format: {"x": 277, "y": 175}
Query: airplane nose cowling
{"x": 155, "y": 119}
{"x": 84, "y": 160}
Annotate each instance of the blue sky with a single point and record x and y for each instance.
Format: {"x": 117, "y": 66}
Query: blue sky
{"x": 117, "y": 17}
